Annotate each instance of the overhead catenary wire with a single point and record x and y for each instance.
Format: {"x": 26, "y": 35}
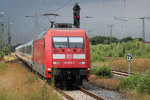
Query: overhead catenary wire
{"x": 62, "y": 6}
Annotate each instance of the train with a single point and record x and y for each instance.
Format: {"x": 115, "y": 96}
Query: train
{"x": 62, "y": 53}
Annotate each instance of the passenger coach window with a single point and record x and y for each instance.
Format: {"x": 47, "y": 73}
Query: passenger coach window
{"x": 59, "y": 42}
{"x": 76, "y": 42}
{"x": 28, "y": 49}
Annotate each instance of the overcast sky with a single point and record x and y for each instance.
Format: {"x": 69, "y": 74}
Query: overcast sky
{"x": 103, "y": 13}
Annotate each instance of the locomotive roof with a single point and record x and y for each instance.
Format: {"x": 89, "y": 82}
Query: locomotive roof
{"x": 41, "y": 35}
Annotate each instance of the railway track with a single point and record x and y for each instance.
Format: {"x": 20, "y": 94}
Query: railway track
{"x": 79, "y": 94}
{"x": 91, "y": 94}
{"x": 121, "y": 73}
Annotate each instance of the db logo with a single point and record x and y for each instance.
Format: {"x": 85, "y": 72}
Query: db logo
{"x": 68, "y": 56}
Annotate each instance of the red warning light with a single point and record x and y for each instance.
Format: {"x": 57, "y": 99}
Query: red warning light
{"x": 77, "y": 16}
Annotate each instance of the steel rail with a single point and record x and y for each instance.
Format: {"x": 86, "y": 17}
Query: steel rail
{"x": 64, "y": 94}
{"x": 90, "y": 94}
{"x": 120, "y": 73}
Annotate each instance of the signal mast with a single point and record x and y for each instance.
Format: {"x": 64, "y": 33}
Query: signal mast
{"x": 76, "y": 15}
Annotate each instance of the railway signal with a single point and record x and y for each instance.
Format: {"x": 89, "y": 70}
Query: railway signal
{"x": 129, "y": 58}
{"x": 76, "y": 15}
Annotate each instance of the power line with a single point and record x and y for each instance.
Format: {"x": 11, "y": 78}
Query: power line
{"x": 63, "y": 5}
{"x": 143, "y": 31}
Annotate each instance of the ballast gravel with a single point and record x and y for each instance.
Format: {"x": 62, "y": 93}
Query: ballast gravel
{"x": 106, "y": 94}
{"x": 78, "y": 95}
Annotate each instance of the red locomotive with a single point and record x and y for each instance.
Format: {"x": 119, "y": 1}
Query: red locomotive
{"x": 62, "y": 52}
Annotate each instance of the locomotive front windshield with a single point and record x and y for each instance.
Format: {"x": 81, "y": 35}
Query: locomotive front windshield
{"x": 60, "y": 42}
{"x": 70, "y": 42}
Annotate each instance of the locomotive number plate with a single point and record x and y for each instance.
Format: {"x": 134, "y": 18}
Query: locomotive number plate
{"x": 69, "y": 62}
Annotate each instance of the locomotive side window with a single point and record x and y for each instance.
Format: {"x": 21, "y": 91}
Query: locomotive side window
{"x": 59, "y": 42}
{"x": 76, "y": 42}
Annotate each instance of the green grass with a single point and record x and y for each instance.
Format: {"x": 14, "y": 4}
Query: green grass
{"x": 44, "y": 93}
{"x": 104, "y": 71}
{"x": 3, "y": 67}
{"x": 100, "y": 51}
{"x": 138, "y": 82}
{"x": 31, "y": 78}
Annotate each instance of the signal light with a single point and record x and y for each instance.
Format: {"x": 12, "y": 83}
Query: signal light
{"x": 76, "y": 16}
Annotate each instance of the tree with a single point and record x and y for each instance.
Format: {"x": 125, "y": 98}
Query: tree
{"x": 5, "y": 51}
{"x": 102, "y": 40}
{"x": 126, "y": 39}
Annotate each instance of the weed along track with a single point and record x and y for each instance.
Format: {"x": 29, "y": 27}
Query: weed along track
{"x": 18, "y": 83}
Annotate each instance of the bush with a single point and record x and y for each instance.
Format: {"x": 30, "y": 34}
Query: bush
{"x": 94, "y": 69}
{"x": 131, "y": 82}
{"x": 4, "y": 51}
{"x": 104, "y": 71}
{"x": 144, "y": 84}
{"x": 139, "y": 82}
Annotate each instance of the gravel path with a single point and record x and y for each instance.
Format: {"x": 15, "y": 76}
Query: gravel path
{"x": 107, "y": 94}
{"x": 78, "y": 95}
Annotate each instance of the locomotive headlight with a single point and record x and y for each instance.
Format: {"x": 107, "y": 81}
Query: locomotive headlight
{"x": 56, "y": 62}
{"x": 81, "y": 62}
{"x": 88, "y": 68}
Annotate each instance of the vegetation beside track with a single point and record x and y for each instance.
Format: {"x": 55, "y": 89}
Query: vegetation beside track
{"x": 104, "y": 71}
{"x": 9, "y": 58}
{"x": 3, "y": 67}
{"x": 138, "y": 82}
{"x": 18, "y": 83}
{"x": 136, "y": 87}
{"x": 103, "y": 82}
{"x": 103, "y": 52}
